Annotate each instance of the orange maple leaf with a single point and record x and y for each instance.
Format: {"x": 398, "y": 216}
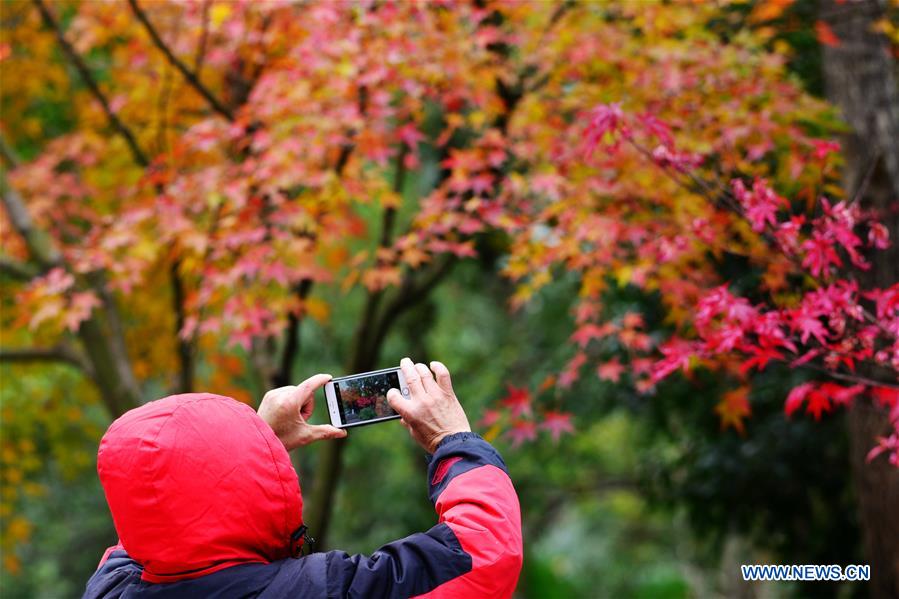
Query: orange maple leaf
{"x": 825, "y": 34}
{"x": 733, "y": 408}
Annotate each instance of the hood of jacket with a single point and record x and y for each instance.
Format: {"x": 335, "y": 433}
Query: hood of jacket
{"x": 197, "y": 483}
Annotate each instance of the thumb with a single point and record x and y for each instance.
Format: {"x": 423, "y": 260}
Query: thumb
{"x": 326, "y": 431}
{"x": 399, "y": 404}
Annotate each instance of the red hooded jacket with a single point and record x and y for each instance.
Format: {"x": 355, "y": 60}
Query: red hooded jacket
{"x": 206, "y": 502}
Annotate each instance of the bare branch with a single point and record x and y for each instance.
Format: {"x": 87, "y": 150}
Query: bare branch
{"x": 185, "y": 346}
{"x": 852, "y": 378}
{"x": 284, "y": 374}
{"x": 188, "y": 74}
{"x": 200, "y": 56}
{"x": 17, "y": 270}
{"x": 39, "y": 244}
{"x": 412, "y": 291}
{"x": 866, "y": 180}
{"x": 8, "y": 152}
{"x": 91, "y": 83}
{"x": 57, "y": 353}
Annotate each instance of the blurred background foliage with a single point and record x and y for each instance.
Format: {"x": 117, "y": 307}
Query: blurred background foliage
{"x": 650, "y": 497}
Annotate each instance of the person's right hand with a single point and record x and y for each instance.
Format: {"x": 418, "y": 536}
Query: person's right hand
{"x": 432, "y": 411}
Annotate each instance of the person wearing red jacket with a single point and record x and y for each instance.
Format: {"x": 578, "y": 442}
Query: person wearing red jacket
{"x": 206, "y": 502}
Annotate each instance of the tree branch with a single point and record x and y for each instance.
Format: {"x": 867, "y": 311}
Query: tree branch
{"x": 91, "y": 83}
{"x": 851, "y": 378}
{"x": 56, "y": 353}
{"x": 367, "y": 340}
{"x": 200, "y": 56}
{"x": 188, "y": 74}
{"x": 284, "y": 374}
{"x": 136, "y": 152}
{"x": 39, "y": 244}
{"x": 15, "y": 269}
{"x": 409, "y": 294}
{"x": 8, "y": 152}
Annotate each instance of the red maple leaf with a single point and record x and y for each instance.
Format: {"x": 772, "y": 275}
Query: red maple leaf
{"x": 557, "y": 423}
{"x": 796, "y": 397}
{"x": 518, "y": 400}
{"x": 605, "y": 118}
{"x": 586, "y": 332}
{"x": 885, "y": 396}
{"x": 818, "y": 403}
{"x": 489, "y": 418}
{"x": 825, "y": 34}
{"x": 610, "y": 371}
{"x": 808, "y": 325}
{"x": 840, "y": 395}
{"x": 521, "y": 431}
{"x": 760, "y": 358}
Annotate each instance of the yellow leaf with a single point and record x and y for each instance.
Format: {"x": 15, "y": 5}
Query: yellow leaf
{"x": 317, "y": 308}
{"x": 19, "y": 529}
{"x": 11, "y": 563}
{"x": 492, "y": 433}
{"x": 219, "y": 12}
{"x": 477, "y": 118}
{"x": 390, "y": 199}
{"x": 623, "y": 274}
{"x": 769, "y": 10}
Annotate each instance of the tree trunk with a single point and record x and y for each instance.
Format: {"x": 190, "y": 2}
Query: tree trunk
{"x": 110, "y": 369}
{"x": 330, "y": 463}
{"x": 861, "y": 80}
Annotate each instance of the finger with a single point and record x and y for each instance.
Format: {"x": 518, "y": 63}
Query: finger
{"x": 399, "y": 404}
{"x": 326, "y": 431}
{"x": 314, "y": 383}
{"x": 275, "y": 392}
{"x": 307, "y": 407}
{"x": 443, "y": 376}
{"x": 413, "y": 379}
{"x": 305, "y": 393}
{"x": 427, "y": 379}
{"x": 285, "y": 388}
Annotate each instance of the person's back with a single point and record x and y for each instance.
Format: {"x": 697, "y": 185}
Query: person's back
{"x": 207, "y": 504}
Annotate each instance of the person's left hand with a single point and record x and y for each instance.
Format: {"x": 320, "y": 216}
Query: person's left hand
{"x": 286, "y": 409}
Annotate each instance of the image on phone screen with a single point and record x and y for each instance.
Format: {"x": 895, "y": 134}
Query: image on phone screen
{"x": 365, "y": 398}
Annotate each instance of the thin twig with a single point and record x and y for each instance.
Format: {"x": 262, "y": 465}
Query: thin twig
{"x": 40, "y": 245}
{"x": 137, "y": 154}
{"x": 57, "y": 353}
{"x": 866, "y": 181}
{"x": 16, "y": 269}
{"x": 8, "y": 152}
{"x": 200, "y": 56}
{"x": 853, "y": 378}
{"x": 730, "y": 201}
{"x": 91, "y": 83}
{"x": 188, "y": 74}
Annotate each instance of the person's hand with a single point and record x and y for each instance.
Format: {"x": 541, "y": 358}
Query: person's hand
{"x": 286, "y": 410}
{"x": 432, "y": 411}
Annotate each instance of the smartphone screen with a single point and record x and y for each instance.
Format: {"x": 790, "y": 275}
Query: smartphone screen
{"x": 363, "y": 398}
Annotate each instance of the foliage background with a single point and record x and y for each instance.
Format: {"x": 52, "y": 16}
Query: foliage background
{"x": 649, "y": 497}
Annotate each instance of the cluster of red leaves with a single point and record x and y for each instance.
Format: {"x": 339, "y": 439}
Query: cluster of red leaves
{"x": 63, "y": 306}
{"x": 521, "y": 421}
{"x": 833, "y": 325}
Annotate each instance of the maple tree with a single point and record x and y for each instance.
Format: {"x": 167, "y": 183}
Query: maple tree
{"x": 219, "y": 164}
{"x": 645, "y": 210}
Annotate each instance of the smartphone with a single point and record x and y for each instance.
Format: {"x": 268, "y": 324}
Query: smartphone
{"x": 360, "y": 399}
